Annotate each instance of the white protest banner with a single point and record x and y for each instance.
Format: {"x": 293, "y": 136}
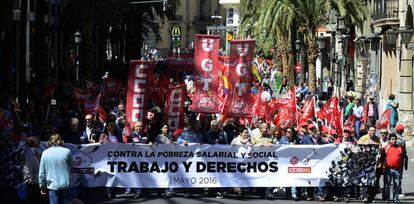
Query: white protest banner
{"x": 177, "y": 166}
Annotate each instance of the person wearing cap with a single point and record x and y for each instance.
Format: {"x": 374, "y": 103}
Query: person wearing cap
{"x": 372, "y": 111}
{"x": 331, "y": 135}
{"x": 399, "y": 130}
{"x": 215, "y": 135}
{"x": 347, "y": 137}
{"x": 313, "y": 136}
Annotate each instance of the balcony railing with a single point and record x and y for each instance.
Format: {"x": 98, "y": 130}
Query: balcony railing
{"x": 385, "y": 9}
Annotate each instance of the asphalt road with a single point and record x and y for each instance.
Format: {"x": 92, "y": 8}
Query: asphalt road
{"x": 98, "y": 195}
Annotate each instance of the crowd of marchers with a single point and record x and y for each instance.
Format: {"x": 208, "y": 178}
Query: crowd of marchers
{"x": 29, "y": 175}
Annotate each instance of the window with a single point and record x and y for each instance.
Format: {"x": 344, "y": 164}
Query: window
{"x": 230, "y": 14}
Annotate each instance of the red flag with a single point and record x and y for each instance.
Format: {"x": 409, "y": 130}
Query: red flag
{"x": 364, "y": 117}
{"x": 102, "y": 114}
{"x": 90, "y": 105}
{"x": 271, "y": 108}
{"x": 206, "y": 97}
{"x": 175, "y": 107}
{"x": 288, "y": 100}
{"x": 328, "y": 109}
{"x": 350, "y": 121}
{"x": 308, "y": 110}
{"x": 336, "y": 121}
{"x": 157, "y": 97}
{"x": 49, "y": 92}
{"x": 284, "y": 116}
{"x": 384, "y": 121}
{"x": 259, "y": 105}
{"x": 137, "y": 96}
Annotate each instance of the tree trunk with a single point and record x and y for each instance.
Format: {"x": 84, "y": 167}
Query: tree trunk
{"x": 303, "y": 65}
{"x": 312, "y": 54}
{"x": 291, "y": 69}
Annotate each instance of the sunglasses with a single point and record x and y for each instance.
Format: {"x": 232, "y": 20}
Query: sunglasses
{"x": 384, "y": 133}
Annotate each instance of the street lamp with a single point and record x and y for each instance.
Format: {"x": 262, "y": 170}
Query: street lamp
{"x": 391, "y": 36}
{"x": 320, "y": 42}
{"x": 78, "y": 38}
{"x": 406, "y": 35}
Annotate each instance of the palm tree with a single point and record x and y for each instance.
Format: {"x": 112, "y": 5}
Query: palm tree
{"x": 307, "y": 16}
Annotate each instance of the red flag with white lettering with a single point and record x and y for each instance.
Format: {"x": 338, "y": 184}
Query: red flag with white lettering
{"x": 206, "y": 97}
{"x": 384, "y": 121}
{"x": 138, "y": 90}
{"x": 288, "y": 99}
{"x": 240, "y": 102}
{"x": 175, "y": 107}
{"x": 350, "y": 121}
{"x": 308, "y": 110}
{"x": 285, "y": 116}
{"x": 328, "y": 109}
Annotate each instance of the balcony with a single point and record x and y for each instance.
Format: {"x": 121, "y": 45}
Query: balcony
{"x": 385, "y": 13}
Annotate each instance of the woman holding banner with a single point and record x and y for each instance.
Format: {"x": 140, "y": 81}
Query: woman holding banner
{"x": 242, "y": 139}
{"x": 165, "y": 138}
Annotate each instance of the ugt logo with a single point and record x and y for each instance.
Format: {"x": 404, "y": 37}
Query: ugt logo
{"x": 207, "y": 44}
{"x": 242, "y": 49}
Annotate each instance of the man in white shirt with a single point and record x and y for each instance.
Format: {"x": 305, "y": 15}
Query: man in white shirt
{"x": 358, "y": 110}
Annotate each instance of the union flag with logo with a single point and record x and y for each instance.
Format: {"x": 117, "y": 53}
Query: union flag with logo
{"x": 240, "y": 101}
{"x": 206, "y": 97}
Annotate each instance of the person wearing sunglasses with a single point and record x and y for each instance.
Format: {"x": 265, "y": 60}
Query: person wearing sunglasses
{"x": 384, "y": 137}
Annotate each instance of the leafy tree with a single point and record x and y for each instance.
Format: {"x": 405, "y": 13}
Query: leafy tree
{"x": 280, "y": 16}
